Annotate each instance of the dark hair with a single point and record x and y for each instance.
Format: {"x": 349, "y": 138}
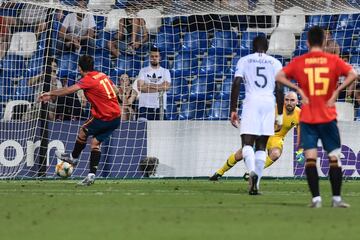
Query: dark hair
{"x": 316, "y": 36}
{"x": 86, "y": 63}
{"x": 260, "y": 44}
{"x": 154, "y": 49}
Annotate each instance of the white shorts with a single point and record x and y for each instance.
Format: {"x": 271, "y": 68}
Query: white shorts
{"x": 258, "y": 117}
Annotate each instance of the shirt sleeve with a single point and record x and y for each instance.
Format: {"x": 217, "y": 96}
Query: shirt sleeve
{"x": 90, "y": 23}
{"x": 342, "y": 67}
{"x": 277, "y": 66}
{"x": 167, "y": 76}
{"x": 141, "y": 75}
{"x": 67, "y": 20}
{"x": 289, "y": 70}
{"x": 239, "y": 71}
{"x": 85, "y": 83}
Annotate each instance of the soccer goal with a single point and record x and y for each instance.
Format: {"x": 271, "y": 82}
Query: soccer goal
{"x": 200, "y": 43}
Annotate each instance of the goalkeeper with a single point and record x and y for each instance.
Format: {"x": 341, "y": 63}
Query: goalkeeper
{"x": 275, "y": 143}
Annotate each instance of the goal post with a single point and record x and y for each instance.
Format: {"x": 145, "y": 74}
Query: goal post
{"x": 200, "y": 43}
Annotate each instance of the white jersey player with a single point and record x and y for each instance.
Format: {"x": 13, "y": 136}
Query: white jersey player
{"x": 258, "y": 72}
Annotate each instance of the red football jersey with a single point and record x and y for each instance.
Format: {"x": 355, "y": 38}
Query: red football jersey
{"x": 98, "y": 90}
{"x": 317, "y": 74}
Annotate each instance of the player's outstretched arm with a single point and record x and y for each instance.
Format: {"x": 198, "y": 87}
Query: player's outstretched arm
{"x": 45, "y": 97}
{"x": 281, "y": 78}
{"x": 235, "y": 89}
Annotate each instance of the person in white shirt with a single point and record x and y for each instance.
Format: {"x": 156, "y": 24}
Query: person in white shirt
{"x": 33, "y": 17}
{"x": 153, "y": 82}
{"x": 77, "y": 31}
{"x": 258, "y": 72}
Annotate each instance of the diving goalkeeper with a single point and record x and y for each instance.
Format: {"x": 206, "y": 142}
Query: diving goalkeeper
{"x": 275, "y": 143}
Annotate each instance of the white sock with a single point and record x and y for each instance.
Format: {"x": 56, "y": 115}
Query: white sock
{"x": 260, "y": 157}
{"x": 315, "y": 199}
{"x": 249, "y": 156}
{"x": 336, "y": 198}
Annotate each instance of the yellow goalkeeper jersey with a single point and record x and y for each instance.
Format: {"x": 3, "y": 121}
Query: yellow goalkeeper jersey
{"x": 289, "y": 121}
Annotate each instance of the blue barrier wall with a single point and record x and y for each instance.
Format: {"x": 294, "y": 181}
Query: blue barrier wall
{"x": 120, "y": 154}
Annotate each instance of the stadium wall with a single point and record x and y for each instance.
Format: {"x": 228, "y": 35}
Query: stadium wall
{"x": 185, "y": 149}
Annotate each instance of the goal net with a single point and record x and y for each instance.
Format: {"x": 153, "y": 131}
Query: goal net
{"x": 200, "y": 43}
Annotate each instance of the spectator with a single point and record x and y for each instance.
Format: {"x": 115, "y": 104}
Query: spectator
{"x": 77, "y": 31}
{"x": 5, "y": 36}
{"x": 33, "y": 17}
{"x": 127, "y": 97}
{"x": 37, "y": 83}
{"x": 153, "y": 82}
{"x": 331, "y": 46}
{"x": 131, "y": 36}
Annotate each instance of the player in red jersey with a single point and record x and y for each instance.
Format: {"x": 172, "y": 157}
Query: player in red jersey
{"x": 317, "y": 74}
{"x": 101, "y": 92}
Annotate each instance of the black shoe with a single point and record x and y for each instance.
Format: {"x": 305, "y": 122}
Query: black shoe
{"x": 215, "y": 177}
{"x": 246, "y": 176}
{"x": 252, "y": 182}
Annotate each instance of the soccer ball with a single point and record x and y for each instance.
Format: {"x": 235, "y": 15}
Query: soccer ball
{"x": 64, "y": 169}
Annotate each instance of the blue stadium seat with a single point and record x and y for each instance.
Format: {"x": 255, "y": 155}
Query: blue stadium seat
{"x": 357, "y": 114}
{"x": 169, "y": 29}
{"x": 202, "y": 88}
{"x": 167, "y": 43}
{"x": 100, "y": 22}
{"x": 301, "y": 46}
{"x": 223, "y": 43}
{"x": 172, "y": 112}
{"x": 226, "y": 89}
{"x": 220, "y": 110}
{"x": 69, "y": 2}
{"x": 102, "y": 64}
{"x": 355, "y": 61}
{"x": 129, "y": 64}
{"x": 36, "y": 64}
{"x": 68, "y": 65}
{"x": 344, "y": 39}
{"x": 245, "y": 47}
{"x": 195, "y": 42}
{"x": 232, "y": 68}
{"x": 346, "y": 21}
{"x": 23, "y": 91}
{"x": 213, "y": 65}
{"x": 7, "y": 89}
{"x": 178, "y": 90}
{"x": 121, "y": 3}
{"x": 324, "y": 21}
{"x": 185, "y": 64}
{"x": 355, "y": 48}
{"x": 357, "y": 26}
{"x": 13, "y": 66}
{"x": 193, "y": 110}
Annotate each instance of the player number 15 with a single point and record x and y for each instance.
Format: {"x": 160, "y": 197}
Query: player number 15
{"x": 314, "y": 77}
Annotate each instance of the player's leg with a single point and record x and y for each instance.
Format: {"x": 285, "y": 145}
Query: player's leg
{"x": 80, "y": 144}
{"x": 309, "y": 138}
{"x": 101, "y": 130}
{"x": 330, "y": 138}
{"x": 274, "y": 148}
{"x": 273, "y": 155}
{"x": 249, "y": 157}
{"x": 230, "y": 162}
{"x": 260, "y": 157}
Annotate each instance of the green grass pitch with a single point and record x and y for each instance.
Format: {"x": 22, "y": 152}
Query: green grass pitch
{"x": 173, "y": 209}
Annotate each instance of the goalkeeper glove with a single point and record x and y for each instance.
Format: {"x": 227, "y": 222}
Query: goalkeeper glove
{"x": 299, "y": 156}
